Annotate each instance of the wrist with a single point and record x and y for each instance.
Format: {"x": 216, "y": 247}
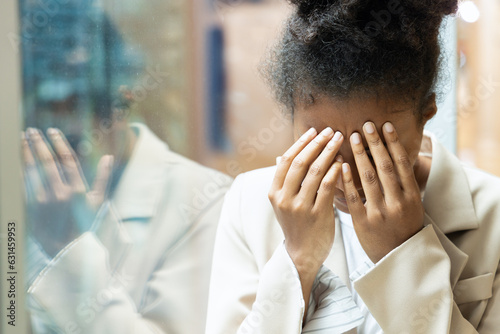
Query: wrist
{"x": 307, "y": 265}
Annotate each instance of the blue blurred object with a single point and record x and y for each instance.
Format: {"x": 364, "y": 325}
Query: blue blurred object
{"x": 74, "y": 60}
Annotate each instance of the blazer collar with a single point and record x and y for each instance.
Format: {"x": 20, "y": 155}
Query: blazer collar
{"x": 143, "y": 181}
{"x": 447, "y": 198}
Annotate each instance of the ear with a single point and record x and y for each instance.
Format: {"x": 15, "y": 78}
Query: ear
{"x": 429, "y": 109}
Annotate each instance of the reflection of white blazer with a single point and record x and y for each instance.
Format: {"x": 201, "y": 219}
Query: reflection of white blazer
{"x": 445, "y": 279}
{"x": 145, "y": 267}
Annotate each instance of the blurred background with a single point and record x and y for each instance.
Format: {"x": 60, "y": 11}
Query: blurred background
{"x": 206, "y": 98}
{"x": 188, "y": 68}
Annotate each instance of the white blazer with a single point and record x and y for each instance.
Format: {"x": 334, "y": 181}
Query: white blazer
{"x": 145, "y": 265}
{"x": 445, "y": 279}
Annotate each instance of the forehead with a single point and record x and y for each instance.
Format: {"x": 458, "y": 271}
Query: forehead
{"x": 349, "y": 115}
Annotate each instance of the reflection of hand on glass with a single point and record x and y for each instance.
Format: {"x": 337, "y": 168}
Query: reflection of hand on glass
{"x": 140, "y": 262}
{"x": 61, "y": 205}
{"x": 143, "y": 255}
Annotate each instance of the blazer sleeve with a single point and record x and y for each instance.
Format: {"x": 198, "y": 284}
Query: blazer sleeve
{"x": 82, "y": 291}
{"x": 233, "y": 303}
{"x": 77, "y": 292}
{"x": 409, "y": 291}
{"x": 244, "y": 299}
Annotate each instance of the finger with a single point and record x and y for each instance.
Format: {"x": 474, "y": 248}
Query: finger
{"x": 68, "y": 160}
{"x": 288, "y": 156}
{"x": 326, "y": 191}
{"x": 401, "y": 159}
{"x": 300, "y": 165}
{"x": 320, "y": 167}
{"x": 367, "y": 174}
{"x": 34, "y": 184}
{"x": 46, "y": 159}
{"x": 98, "y": 193}
{"x": 354, "y": 202}
{"x": 385, "y": 167}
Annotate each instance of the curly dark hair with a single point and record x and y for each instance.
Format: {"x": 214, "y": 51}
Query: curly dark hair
{"x": 346, "y": 48}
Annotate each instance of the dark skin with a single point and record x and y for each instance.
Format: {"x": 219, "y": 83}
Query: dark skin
{"x": 362, "y": 155}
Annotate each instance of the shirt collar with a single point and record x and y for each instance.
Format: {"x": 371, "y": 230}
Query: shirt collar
{"x": 143, "y": 181}
{"x": 447, "y": 198}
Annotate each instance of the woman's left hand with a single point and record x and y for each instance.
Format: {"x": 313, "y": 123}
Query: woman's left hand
{"x": 393, "y": 211}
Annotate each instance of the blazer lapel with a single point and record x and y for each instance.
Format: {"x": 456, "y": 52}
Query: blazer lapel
{"x": 447, "y": 199}
{"x": 448, "y": 204}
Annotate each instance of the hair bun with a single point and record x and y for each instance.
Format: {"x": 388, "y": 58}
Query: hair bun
{"x": 306, "y": 7}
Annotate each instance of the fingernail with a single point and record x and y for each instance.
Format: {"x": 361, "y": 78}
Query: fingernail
{"x": 308, "y": 133}
{"x": 31, "y": 132}
{"x": 355, "y": 138}
{"x": 52, "y": 132}
{"x": 345, "y": 168}
{"x": 388, "y": 127}
{"x": 339, "y": 158}
{"x": 338, "y": 136}
{"x": 327, "y": 132}
{"x": 369, "y": 128}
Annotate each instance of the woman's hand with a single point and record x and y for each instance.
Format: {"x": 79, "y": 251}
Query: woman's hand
{"x": 302, "y": 197}
{"x": 393, "y": 211}
{"x": 60, "y": 206}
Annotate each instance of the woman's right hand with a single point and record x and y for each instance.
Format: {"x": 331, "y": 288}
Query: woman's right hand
{"x": 60, "y": 207}
{"x": 302, "y": 195}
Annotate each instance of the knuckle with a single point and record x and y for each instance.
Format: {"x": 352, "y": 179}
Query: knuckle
{"x": 286, "y": 158}
{"x": 297, "y": 207}
{"x": 298, "y": 163}
{"x": 316, "y": 141}
{"x": 377, "y": 215}
{"x": 327, "y": 185}
{"x": 280, "y": 203}
{"x": 352, "y": 198}
{"x": 375, "y": 141}
{"x": 370, "y": 176}
{"x": 359, "y": 151}
{"x": 315, "y": 169}
{"x": 66, "y": 158}
{"x": 415, "y": 197}
{"x": 45, "y": 159}
{"x": 386, "y": 166}
{"x": 404, "y": 161}
{"x": 393, "y": 139}
{"x": 398, "y": 207}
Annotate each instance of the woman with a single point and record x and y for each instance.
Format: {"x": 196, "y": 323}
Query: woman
{"x": 410, "y": 244}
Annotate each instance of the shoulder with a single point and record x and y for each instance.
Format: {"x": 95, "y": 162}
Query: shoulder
{"x": 483, "y": 186}
{"x": 253, "y": 187}
{"x": 485, "y": 193}
{"x": 481, "y": 181}
{"x": 248, "y": 211}
{"x": 192, "y": 174}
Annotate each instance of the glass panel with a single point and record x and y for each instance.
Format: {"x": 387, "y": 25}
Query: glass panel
{"x": 121, "y": 219}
